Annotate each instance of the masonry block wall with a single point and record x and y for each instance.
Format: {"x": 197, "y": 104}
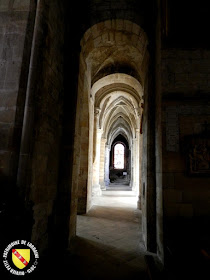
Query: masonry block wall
{"x": 186, "y": 111}
{"x": 47, "y": 131}
{"x": 16, "y": 32}
{"x": 17, "y": 29}
{"x": 14, "y": 62}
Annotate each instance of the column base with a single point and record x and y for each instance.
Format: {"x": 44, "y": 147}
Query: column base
{"x": 139, "y": 203}
{"x": 96, "y": 190}
{"x": 103, "y": 187}
{"x": 107, "y": 182}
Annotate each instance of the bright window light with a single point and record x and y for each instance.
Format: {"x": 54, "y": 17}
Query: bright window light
{"x": 119, "y": 152}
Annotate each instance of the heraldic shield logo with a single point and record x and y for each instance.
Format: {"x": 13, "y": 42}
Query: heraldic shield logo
{"x": 20, "y": 257}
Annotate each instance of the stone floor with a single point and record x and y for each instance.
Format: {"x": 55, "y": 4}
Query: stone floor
{"x": 108, "y": 244}
{"x": 109, "y": 238}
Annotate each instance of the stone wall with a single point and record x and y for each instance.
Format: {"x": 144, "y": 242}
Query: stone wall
{"x": 31, "y": 112}
{"x": 185, "y": 72}
{"x": 16, "y": 29}
{"x": 133, "y": 10}
{"x": 47, "y": 128}
{"x": 16, "y": 33}
{"x": 184, "y": 195}
{"x": 185, "y": 86}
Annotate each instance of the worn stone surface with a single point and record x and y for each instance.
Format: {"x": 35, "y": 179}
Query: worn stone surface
{"x": 181, "y": 121}
{"x": 185, "y": 85}
{"x": 41, "y": 172}
{"x": 47, "y": 124}
{"x": 185, "y": 71}
{"x": 95, "y": 71}
{"x": 14, "y": 23}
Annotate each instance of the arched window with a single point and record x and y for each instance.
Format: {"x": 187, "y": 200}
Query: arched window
{"x": 119, "y": 155}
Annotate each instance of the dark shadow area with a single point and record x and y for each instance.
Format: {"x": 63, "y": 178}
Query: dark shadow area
{"x": 187, "y": 254}
{"x": 87, "y": 260}
{"x": 16, "y": 216}
{"x": 16, "y": 219}
{"x": 181, "y": 20}
{"x": 98, "y": 262}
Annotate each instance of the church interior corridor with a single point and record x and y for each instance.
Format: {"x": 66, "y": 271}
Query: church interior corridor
{"x": 109, "y": 238}
{"x": 105, "y": 139}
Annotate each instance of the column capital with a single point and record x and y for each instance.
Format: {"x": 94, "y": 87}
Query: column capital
{"x": 138, "y": 111}
{"x": 107, "y": 146}
{"x": 97, "y": 111}
{"x": 100, "y": 131}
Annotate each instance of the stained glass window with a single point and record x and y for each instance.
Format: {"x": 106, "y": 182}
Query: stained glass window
{"x": 119, "y": 152}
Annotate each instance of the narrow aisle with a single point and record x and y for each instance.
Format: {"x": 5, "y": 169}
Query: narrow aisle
{"x": 109, "y": 242}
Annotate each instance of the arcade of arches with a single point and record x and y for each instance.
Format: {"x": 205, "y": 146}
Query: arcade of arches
{"x": 98, "y": 93}
{"x": 113, "y": 79}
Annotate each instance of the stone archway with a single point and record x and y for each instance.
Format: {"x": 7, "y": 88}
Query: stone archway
{"x": 113, "y": 84}
{"x": 118, "y": 102}
{"x": 119, "y": 168}
{"x": 113, "y": 63}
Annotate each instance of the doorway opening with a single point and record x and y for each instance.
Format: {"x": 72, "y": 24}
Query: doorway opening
{"x": 119, "y": 156}
{"x": 110, "y": 107}
{"x": 112, "y": 99}
{"x": 119, "y": 169}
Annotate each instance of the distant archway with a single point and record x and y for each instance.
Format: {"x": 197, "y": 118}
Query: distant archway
{"x": 113, "y": 71}
{"x": 113, "y": 88}
{"x": 119, "y": 156}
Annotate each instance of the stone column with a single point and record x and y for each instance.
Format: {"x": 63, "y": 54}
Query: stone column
{"x": 137, "y": 160}
{"x": 135, "y": 186}
{"x": 140, "y": 172}
{"x": 106, "y": 165}
{"x": 102, "y": 163}
{"x": 134, "y": 165}
{"x": 158, "y": 141}
{"x": 131, "y": 164}
{"x": 24, "y": 164}
{"x": 96, "y": 189}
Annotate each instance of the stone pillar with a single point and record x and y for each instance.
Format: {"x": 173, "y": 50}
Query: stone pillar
{"x": 137, "y": 160}
{"x": 140, "y": 172}
{"x": 158, "y": 141}
{"x": 135, "y": 163}
{"x": 96, "y": 189}
{"x": 102, "y": 163}
{"x": 131, "y": 165}
{"x": 128, "y": 164}
{"x": 106, "y": 165}
{"x": 24, "y": 164}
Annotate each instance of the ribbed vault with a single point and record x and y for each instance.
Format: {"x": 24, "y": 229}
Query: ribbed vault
{"x": 120, "y": 126}
{"x": 113, "y": 72}
{"x": 112, "y": 85}
{"x": 117, "y": 100}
